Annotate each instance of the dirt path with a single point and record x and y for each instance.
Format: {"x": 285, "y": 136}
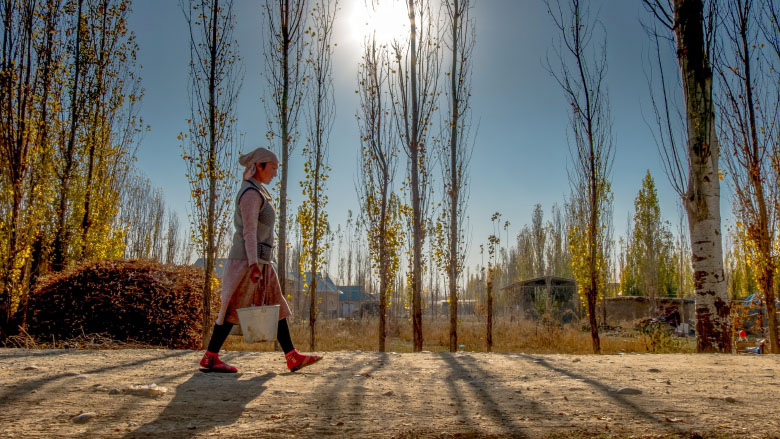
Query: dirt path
{"x": 368, "y": 394}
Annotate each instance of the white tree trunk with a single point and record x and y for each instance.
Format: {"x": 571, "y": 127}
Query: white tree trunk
{"x": 702, "y": 201}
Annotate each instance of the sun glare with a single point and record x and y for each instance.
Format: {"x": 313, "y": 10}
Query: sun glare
{"x": 388, "y": 18}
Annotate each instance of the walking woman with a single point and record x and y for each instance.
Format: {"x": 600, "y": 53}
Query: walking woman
{"x": 249, "y": 276}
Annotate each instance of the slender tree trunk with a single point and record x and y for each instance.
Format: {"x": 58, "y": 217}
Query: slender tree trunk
{"x": 595, "y": 272}
{"x": 61, "y": 235}
{"x": 452, "y": 264}
{"x": 86, "y": 221}
{"x": 383, "y": 265}
{"x": 702, "y": 200}
{"x": 489, "y": 291}
{"x": 6, "y": 105}
{"x": 415, "y": 187}
{"x": 594, "y": 190}
{"x": 21, "y": 166}
{"x": 286, "y": 44}
{"x": 314, "y": 250}
{"x": 313, "y": 302}
{"x": 36, "y": 256}
{"x": 211, "y": 172}
{"x": 417, "y": 255}
{"x": 757, "y": 180}
{"x": 10, "y": 150}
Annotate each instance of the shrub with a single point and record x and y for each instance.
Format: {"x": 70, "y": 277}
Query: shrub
{"x": 139, "y": 301}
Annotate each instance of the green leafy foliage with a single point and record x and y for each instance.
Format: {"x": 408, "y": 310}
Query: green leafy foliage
{"x": 589, "y": 243}
{"x": 649, "y": 267}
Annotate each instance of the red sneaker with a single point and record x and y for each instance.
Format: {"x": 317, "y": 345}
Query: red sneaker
{"x": 211, "y": 363}
{"x": 297, "y": 360}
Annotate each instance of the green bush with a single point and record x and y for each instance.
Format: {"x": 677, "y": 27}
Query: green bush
{"x": 659, "y": 337}
{"x": 139, "y": 301}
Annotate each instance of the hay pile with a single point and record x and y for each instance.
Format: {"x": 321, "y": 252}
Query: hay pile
{"x": 134, "y": 301}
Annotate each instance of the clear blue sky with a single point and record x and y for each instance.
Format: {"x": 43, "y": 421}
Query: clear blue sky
{"x": 520, "y": 153}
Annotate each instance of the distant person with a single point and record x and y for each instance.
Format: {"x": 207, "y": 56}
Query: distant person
{"x": 249, "y": 276}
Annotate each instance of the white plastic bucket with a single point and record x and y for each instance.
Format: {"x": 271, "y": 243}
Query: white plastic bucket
{"x": 259, "y": 323}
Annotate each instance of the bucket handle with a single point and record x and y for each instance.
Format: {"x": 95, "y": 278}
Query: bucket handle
{"x": 265, "y": 283}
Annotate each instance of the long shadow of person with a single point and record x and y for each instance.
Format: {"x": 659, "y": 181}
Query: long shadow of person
{"x": 203, "y": 402}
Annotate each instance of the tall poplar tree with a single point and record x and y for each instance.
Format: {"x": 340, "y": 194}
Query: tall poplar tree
{"x": 691, "y": 155}
{"x": 17, "y": 142}
{"x": 581, "y": 74}
{"x": 209, "y": 151}
{"x": 378, "y": 164}
{"x": 749, "y": 108}
{"x": 111, "y": 127}
{"x": 461, "y": 38}
{"x": 649, "y": 269}
{"x": 322, "y": 112}
{"x": 285, "y": 76}
{"x": 414, "y": 95}
{"x": 67, "y": 153}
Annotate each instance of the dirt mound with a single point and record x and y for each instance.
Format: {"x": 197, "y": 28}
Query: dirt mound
{"x": 139, "y": 301}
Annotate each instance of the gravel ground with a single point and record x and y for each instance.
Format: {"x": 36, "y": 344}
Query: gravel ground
{"x": 161, "y": 393}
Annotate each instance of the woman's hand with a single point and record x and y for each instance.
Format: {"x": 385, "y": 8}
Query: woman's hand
{"x": 255, "y": 273}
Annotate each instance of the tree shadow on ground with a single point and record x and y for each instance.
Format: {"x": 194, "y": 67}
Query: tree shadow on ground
{"x": 203, "y": 402}
{"x": 13, "y": 353}
{"x": 610, "y": 394}
{"x": 15, "y": 392}
{"x": 342, "y": 396}
{"x": 478, "y": 380}
{"x": 331, "y": 391}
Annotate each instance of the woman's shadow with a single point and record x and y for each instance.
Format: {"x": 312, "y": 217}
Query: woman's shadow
{"x": 204, "y": 401}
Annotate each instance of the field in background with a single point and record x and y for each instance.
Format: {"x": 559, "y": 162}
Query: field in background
{"x": 508, "y": 336}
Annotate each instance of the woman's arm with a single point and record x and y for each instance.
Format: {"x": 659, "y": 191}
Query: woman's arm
{"x": 249, "y": 205}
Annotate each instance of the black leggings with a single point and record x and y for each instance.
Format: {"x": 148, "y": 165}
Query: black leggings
{"x": 221, "y": 332}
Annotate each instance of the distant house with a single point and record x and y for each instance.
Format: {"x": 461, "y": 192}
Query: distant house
{"x": 327, "y": 295}
{"x": 528, "y": 298}
{"x": 354, "y": 302}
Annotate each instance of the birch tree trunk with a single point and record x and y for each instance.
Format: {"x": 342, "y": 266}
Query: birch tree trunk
{"x": 692, "y": 160}
{"x": 702, "y": 198}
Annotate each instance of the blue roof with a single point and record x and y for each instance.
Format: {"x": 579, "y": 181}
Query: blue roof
{"x": 323, "y": 283}
{"x": 354, "y": 293}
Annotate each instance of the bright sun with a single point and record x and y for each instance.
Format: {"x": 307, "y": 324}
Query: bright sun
{"x": 388, "y": 18}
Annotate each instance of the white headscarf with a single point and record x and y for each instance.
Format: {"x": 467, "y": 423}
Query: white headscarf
{"x": 251, "y": 160}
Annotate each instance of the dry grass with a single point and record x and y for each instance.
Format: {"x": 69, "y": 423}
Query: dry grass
{"x": 508, "y": 336}
{"x": 82, "y": 342}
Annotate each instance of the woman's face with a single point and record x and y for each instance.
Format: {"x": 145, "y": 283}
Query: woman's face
{"x": 265, "y": 175}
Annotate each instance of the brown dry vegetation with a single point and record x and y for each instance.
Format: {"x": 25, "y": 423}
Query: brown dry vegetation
{"x": 121, "y": 304}
{"x": 509, "y": 336}
{"x": 128, "y": 301}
